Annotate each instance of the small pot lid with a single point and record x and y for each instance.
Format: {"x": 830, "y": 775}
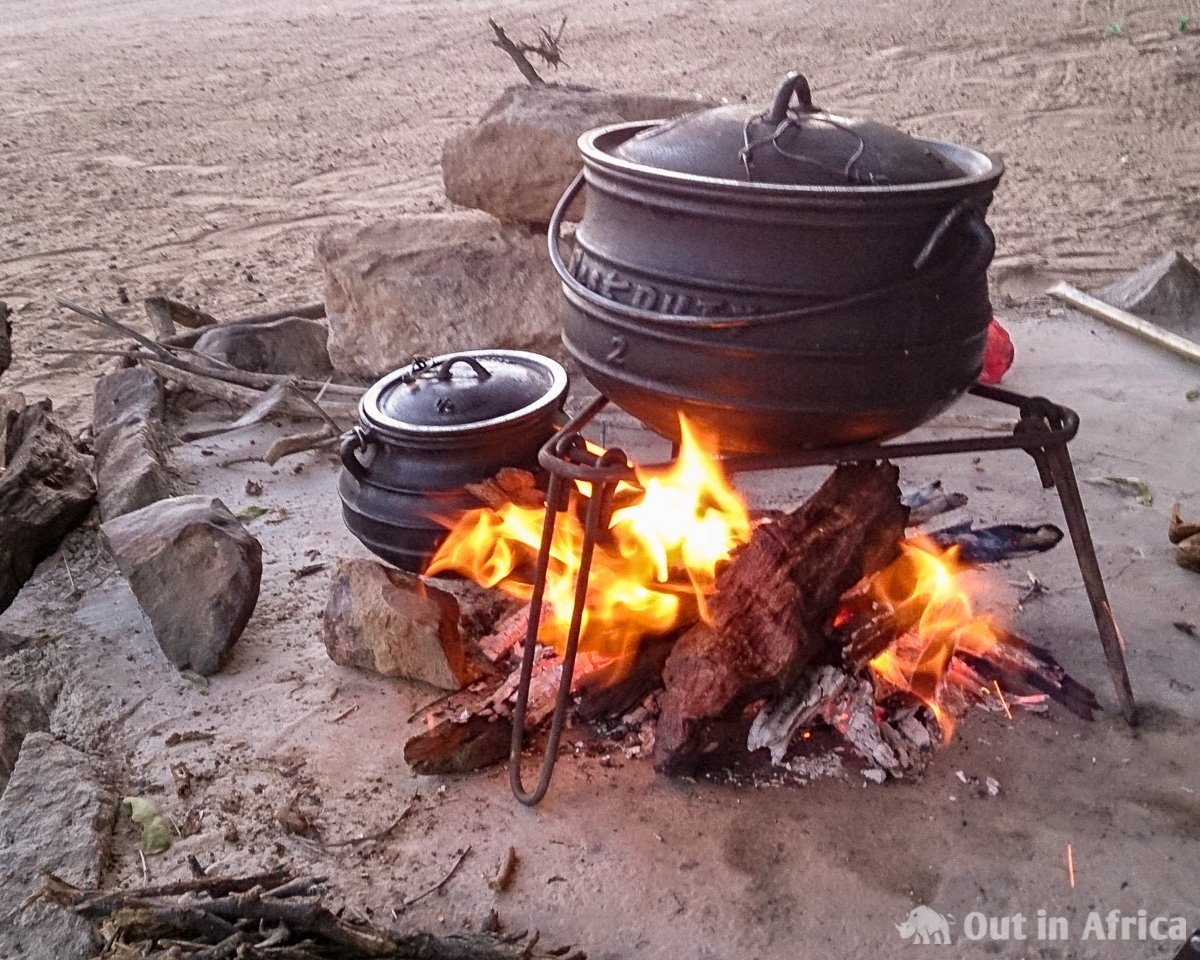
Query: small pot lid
{"x": 464, "y": 392}
{"x": 790, "y": 142}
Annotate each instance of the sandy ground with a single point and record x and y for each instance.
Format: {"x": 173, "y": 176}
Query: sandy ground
{"x": 195, "y": 149}
{"x": 163, "y": 146}
{"x": 628, "y": 864}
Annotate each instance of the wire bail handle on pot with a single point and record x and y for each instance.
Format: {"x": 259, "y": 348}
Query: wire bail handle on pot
{"x": 795, "y": 84}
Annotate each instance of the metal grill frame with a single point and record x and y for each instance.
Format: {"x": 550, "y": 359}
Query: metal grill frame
{"x": 1043, "y": 429}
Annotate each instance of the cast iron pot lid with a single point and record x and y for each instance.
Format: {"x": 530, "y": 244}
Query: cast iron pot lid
{"x": 464, "y": 393}
{"x": 791, "y": 142}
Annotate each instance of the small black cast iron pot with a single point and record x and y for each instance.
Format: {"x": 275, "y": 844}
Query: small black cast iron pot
{"x": 427, "y": 430}
{"x": 789, "y": 278}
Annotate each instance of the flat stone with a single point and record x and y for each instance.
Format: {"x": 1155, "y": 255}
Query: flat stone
{"x": 56, "y": 815}
{"x": 131, "y": 452}
{"x": 517, "y": 161}
{"x": 131, "y": 470}
{"x": 1166, "y": 292}
{"x": 394, "y": 624}
{"x": 429, "y": 285}
{"x": 292, "y": 346}
{"x": 195, "y": 571}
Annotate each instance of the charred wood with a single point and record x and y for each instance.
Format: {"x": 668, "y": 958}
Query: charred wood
{"x": 46, "y": 490}
{"x": 619, "y": 686}
{"x": 453, "y": 746}
{"x": 772, "y": 603}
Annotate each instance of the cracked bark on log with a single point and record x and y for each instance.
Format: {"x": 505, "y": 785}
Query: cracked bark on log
{"x": 772, "y": 604}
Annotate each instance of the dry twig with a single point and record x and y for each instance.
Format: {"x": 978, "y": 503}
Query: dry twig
{"x": 244, "y": 917}
{"x": 441, "y": 883}
{"x": 547, "y": 48}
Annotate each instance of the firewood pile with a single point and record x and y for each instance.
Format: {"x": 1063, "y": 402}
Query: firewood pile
{"x": 266, "y": 916}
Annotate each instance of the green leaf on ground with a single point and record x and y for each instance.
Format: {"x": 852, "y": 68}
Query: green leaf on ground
{"x": 1130, "y": 486}
{"x": 191, "y": 676}
{"x": 156, "y": 830}
{"x": 251, "y": 512}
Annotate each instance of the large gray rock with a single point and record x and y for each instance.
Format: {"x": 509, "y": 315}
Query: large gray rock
{"x": 131, "y": 452}
{"x": 518, "y": 159}
{"x": 392, "y": 623}
{"x": 1166, "y": 292}
{"x": 434, "y": 284}
{"x": 195, "y": 572}
{"x": 292, "y": 346}
{"x": 131, "y": 470}
{"x": 56, "y": 815}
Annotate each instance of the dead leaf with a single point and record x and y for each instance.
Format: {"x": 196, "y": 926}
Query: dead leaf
{"x": 500, "y": 881}
{"x": 1179, "y": 529}
{"x": 183, "y": 780}
{"x": 292, "y": 818}
{"x": 1187, "y": 554}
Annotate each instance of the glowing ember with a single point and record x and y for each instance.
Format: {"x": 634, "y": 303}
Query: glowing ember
{"x": 918, "y": 661}
{"x": 662, "y": 552}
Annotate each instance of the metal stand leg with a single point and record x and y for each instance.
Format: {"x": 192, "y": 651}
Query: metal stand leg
{"x": 1063, "y": 474}
{"x": 556, "y": 500}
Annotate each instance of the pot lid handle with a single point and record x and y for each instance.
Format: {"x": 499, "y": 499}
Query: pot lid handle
{"x": 794, "y": 84}
{"x": 443, "y": 370}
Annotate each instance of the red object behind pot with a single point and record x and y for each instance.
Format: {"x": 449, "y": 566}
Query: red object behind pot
{"x": 997, "y": 355}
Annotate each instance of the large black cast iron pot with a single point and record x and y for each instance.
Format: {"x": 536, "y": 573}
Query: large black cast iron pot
{"x": 430, "y": 428}
{"x": 786, "y": 278}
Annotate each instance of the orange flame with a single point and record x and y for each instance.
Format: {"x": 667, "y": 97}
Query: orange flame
{"x": 659, "y": 551}
{"x": 918, "y": 661}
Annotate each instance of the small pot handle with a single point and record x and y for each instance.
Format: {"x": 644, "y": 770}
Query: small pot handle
{"x": 357, "y": 439}
{"x": 794, "y": 84}
{"x": 984, "y": 240}
{"x": 443, "y": 370}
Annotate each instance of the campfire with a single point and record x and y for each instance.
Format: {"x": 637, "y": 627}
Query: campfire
{"x": 710, "y": 633}
{"x": 665, "y": 541}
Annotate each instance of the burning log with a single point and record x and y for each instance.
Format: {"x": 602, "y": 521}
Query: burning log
{"x": 510, "y": 485}
{"x": 459, "y": 746}
{"x": 772, "y": 603}
{"x": 472, "y": 729}
{"x": 1015, "y": 663}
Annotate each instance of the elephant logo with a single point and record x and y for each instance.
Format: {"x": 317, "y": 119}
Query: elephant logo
{"x": 925, "y": 925}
